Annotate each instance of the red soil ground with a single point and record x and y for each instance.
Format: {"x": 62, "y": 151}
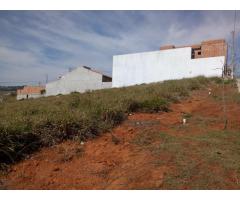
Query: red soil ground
{"x": 102, "y": 164}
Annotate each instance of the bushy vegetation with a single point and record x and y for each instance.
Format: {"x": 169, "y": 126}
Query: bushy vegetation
{"x": 27, "y": 125}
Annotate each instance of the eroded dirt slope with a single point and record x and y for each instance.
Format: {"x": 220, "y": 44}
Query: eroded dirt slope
{"x": 135, "y": 156}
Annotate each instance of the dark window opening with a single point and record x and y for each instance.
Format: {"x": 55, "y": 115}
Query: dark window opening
{"x": 193, "y": 54}
{"x": 106, "y": 79}
{"x": 196, "y": 51}
{"x": 43, "y": 91}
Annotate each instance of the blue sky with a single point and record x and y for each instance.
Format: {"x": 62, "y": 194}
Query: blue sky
{"x": 36, "y": 43}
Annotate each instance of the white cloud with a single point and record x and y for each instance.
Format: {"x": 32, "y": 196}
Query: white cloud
{"x": 16, "y": 57}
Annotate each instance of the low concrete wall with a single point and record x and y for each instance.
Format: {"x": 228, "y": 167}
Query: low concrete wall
{"x": 29, "y": 96}
{"x": 106, "y": 85}
{"x": 66, "y": 87}
{"x": 148, "y": 67}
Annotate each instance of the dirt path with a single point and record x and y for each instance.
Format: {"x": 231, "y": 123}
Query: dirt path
{"x": 103, "y": 164}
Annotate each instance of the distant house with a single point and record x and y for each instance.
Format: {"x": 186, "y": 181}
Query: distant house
{"x": 80, "y": 79}
{"x": 170, "y": 62}
{"x": 30, "y": 92}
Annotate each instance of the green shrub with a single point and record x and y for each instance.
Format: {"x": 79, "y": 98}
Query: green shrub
{"x": 154, "y": 105}
{"x": 75, "y": 101}
{"x": 14, "y": 146}
{"x": 132, "y": 105}
{"x": 217, "y": 80}
{"x": 113, "y": 117}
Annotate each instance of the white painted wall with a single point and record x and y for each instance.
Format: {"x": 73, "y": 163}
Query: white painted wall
{"x": 148, "y": 67}
{"x": 78, "y": 80}
{"x": 29, "y": 96}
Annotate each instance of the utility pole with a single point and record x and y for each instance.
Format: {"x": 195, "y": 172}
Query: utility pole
{"x": 233, "y": 65}
{"x": 46, "y": 78}
{"x": 232, "y": 56}
{"x": 233, "y": 46}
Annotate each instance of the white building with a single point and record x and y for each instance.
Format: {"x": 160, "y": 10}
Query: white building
{"x": 80, "y": 79}
{"x": 207, "y": 59}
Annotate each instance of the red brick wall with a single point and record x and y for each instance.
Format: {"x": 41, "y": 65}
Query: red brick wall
{"x": 167, "y": 47}
{"x": 208, "y": 48}
{"x": 212, "y": 48}
{"x": 31, "y": 90}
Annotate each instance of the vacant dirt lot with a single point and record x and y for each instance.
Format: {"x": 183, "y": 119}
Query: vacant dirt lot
{"x": 148, "y": 151}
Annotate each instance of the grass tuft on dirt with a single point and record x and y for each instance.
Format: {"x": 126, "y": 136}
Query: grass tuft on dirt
{"x": 202, "y": 161}
{"x": 28, "y": 125}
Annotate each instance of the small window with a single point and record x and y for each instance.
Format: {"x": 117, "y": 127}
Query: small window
{"x": 199, "y": 53}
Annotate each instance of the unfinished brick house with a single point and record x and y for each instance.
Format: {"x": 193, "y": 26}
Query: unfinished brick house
{"x": 207, "y": 48}
{"x": 170, "y": 62}
{"x": 30, "y": 92}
